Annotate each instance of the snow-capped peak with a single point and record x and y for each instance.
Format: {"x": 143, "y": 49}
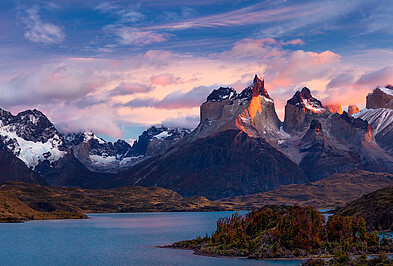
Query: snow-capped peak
{"x": 388, "y": 90}
{"x": 304, "y": 99}
{"x": 257, "y": 88}
{"x": 90, "y": 135}
{"x": 221, "y": 94}
{"x": 31, "y": 137}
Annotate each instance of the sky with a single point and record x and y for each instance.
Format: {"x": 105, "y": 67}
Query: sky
{"x": 118, "y": 67}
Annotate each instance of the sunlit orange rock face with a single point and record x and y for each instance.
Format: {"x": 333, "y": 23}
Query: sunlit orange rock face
{"x": 353, "y": 109}
{"x": 259, "y": 118}
{"x": 334, "y": 108}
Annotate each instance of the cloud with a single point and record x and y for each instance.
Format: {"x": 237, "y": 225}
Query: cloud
{"x": 98, "y": 118}
{"x": 137, "y": 103}
{"x": 262, "y": 48}
{"x": 39, "y": 32}
{"x": 341, "y": 80}
{"x": 380, "y": 77}
{"x": 164, "y": 79}
{"x": 130, "y": 88}
{"x": 190, "y": 121}
{"x": 50, "y": 83}
{"x": 123, "y": 15}
{"x": 293, "y": 42}
{"x": 191, "y": 99}
{"x": 301, "y": 66}
{"x": 133, "y": 36}
{"x": 295, "y": 16}
{"x": 175, "y": 100}
{"x": 344, "y": 89}
{"x": 125, "y": 25}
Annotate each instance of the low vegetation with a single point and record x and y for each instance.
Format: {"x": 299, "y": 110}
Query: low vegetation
{"x": 376, "y": 208}
{"x": 288, "y": 232}
{"x": 330, "y": 192}
{"x": 38, "y": 202}
{"x": 14, "y": 210}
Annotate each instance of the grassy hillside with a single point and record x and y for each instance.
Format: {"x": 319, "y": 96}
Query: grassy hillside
{"x": 14, "y": 210}
{"x": 376, "y": 208}
{"x": 333, "y": 191}
{"x": 125, "y": 199}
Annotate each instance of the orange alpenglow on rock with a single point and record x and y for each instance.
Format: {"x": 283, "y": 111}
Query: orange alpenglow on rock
{"x": 334, "y": 108}
{"x": 353, "y": 109}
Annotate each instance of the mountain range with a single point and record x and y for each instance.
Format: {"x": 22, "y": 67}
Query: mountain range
{"x": 240, "y": 146}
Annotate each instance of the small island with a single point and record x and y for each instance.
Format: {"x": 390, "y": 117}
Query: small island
{"x": 295, "y": 232}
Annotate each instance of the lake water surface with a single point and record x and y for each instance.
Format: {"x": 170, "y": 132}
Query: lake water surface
{"x": 113, "y": 239}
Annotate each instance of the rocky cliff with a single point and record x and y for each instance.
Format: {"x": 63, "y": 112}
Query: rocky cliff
{"x": 300, "y": 110}
{"x": 380, "y": 98}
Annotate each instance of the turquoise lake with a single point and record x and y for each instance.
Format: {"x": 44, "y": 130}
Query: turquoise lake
{"x": 113, "y": 239}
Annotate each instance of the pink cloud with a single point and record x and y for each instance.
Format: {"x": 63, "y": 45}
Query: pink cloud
{"x": 293, "y": 42}
{"x": 164, "y": 79}
{"x": 158, "y": 54}
{"x": 380, "y": 77}
{"x": 300, "y": 66}
{"x": 130, "y": 88}
{"x": 261, "y": 48}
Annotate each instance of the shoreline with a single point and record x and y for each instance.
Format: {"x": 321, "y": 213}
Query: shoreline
{"x": 195, "y": 252}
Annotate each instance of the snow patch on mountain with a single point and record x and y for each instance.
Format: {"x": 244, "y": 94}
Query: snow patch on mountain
{"x": 388, "y": 91}
{"x": 311, "y": 105}
{"x": 221, "y": 94}
{"x": 30, "y": 152}
{"x": 378, "y": 118}
{"x": 162, "y": 135}
{"x": 90, "y": 135}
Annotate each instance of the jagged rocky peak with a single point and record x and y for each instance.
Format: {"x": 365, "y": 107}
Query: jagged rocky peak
{"x": 222, "y": 93}
{"x": 300, "y": 110}
{"x": 31, "y": 137}
{"x": 163, "y": 132}
{"x": 334, "y": 108}
{"x": 257, "y": 88}
{"x": 251, "y": 111}
{"x": 380, "y": 98}
{"x": 316, "y": 127}
{"x": 158, "y": 138}
{"x": 304, "y": 99}
{"x": 352, "y": 109}
{"x": 99, "y": 155}
{"x": 352, "y": 130}
{"x": 73, "y": 139}
{"x": 31, "y": 125}
{"x": 356, "y": 122}
{"x": 4, "y": 114}
{"x": 314, "y": 133}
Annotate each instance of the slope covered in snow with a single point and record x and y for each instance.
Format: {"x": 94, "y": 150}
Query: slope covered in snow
{"x": 379, "y": 118}
{"x": 31, "y": 137}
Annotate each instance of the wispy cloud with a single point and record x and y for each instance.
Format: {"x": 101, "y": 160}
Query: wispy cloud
{"x": 41, "y": 32}
{"x": 122, "y": 15}
{"x": 124, "y": 25}
{"x": 164, "y": 79}
{"x": 130, "y": 89}
{"x": 254, "y": 14}
{"x": 133, "y": 36}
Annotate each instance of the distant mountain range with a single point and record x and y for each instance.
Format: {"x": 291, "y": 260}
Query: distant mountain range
{"x": 240, "y": 146}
